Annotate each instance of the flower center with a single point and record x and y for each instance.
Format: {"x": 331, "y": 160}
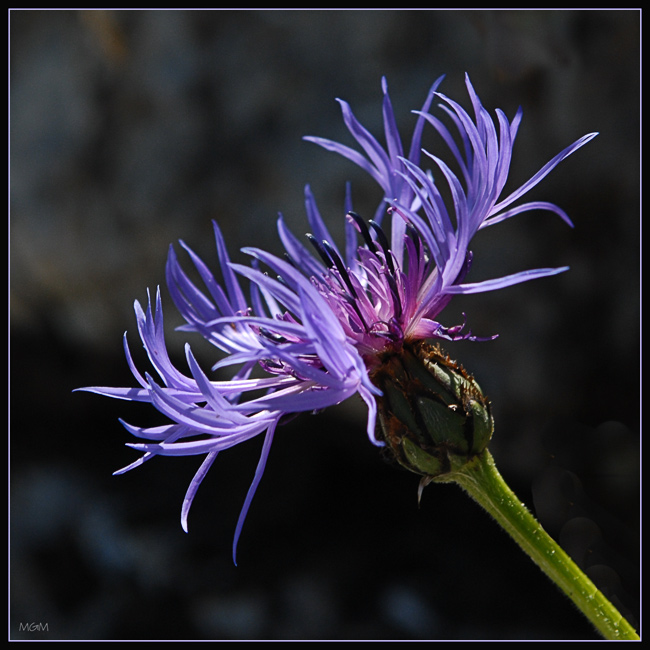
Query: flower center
{"x": 373, "y": 299}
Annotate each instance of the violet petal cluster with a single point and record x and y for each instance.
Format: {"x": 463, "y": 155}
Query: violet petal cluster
{"x": 315, "y": 321}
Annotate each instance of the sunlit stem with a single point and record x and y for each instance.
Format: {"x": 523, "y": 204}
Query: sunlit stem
{"x": 482, "y": 481}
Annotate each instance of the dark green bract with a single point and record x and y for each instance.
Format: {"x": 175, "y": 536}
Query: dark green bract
{"x": 433, "y": 415}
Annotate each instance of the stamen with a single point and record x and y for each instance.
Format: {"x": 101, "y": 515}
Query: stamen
{"x": 397, "y": 303}
{"x": 415, "y": 237}
{"x": 355, "y": 305}
{"x": 363, "y": 229}
{"x": 338, "y": 262}
{"x": 282, "y": 281}
{"x": 320, "y": 250}
{"x": 276, "y": 338}
{"x": 383, "y": 242}
{"x": 272, "y": 367}
{"x": 332, "y": 260}
{"x": 289, "y": 259}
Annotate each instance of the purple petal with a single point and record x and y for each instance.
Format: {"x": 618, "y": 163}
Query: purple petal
{"x": 546, "y": 169}
{"x": 259, "y": 471}
{"x": 194, "y": 486}
{"x": 506, "y": 281}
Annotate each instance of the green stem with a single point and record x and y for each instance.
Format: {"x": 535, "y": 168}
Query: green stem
{"x": 482, "y": 481}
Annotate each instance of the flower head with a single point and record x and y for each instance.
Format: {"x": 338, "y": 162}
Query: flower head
{"x": 319, "y": 321}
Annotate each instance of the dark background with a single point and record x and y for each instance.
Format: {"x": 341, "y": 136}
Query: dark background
{"x": 133, "y": 129}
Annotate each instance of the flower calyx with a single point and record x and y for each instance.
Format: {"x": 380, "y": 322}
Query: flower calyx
{"x": 432, "y": 415}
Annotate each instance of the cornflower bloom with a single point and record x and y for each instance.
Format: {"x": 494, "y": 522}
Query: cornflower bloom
{"x": 321, "y": 321}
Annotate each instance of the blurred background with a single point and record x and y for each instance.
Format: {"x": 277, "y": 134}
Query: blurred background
{"x": 130, "y": 130}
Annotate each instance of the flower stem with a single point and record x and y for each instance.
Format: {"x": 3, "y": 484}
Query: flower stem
{"x": 482, "y": 481}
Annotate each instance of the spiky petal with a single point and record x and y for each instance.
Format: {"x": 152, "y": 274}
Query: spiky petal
{"x": 319, "y": 321}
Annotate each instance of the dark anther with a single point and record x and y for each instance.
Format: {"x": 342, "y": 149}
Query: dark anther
{"x": 383, "y": 242}
{"x": 363, "y": 229}
{"x": 338, "y": 262}
{"x": 332, "y": 260}
{"x": 397, "y": 303}
{"x": 289, "y": 259}
{"x": 355, "y": 305}
{"x": 282, "y": 281}
{"x": 320, "y": 250}
{"x": 415, "y": 238}
{"x": 276, "y": 338}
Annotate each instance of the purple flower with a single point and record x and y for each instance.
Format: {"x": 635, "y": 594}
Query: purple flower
{"x": 317, "y": 320}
